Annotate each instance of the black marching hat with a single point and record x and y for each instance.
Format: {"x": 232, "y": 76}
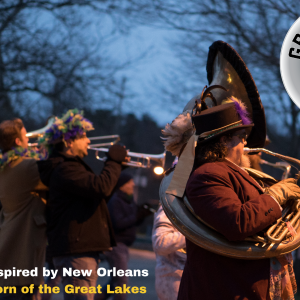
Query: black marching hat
{"x": 219, "y": 120}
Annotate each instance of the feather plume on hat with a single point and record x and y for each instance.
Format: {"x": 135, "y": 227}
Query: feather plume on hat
{"x": 177, "y": 134}
{"x": 241, "y": 109}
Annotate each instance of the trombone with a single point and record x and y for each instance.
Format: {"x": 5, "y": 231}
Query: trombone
{"x": 143, "y": 160}
{"x": 115, "y": 138}
{"x": 40, "y": 132}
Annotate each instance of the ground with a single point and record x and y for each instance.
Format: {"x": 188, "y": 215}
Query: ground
{"x": 139, "y": 259}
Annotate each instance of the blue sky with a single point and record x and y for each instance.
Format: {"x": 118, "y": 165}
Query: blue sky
{"x": 145, "y": 77}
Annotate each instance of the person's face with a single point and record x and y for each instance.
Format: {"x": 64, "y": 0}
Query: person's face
{"x": 128, "y": 187}
{"x": 22, "y": 141}
{"x": 236, "y": 145}
{"x": 79, "y": 147}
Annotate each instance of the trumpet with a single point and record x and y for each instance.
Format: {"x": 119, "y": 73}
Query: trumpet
{"x": 142, "y": 160}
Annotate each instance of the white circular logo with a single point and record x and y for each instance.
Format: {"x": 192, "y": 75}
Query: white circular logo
{"x": 290, "y": 62}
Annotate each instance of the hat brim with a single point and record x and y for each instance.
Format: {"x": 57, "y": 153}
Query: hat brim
{"x": 204, "y": 141}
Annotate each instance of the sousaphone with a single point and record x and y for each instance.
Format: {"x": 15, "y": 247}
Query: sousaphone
{"x": 226, "y": 68}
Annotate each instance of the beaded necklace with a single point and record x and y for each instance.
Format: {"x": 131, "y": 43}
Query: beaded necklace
{"x": 15, "y": 153}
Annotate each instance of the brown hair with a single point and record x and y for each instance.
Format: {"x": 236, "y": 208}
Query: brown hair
{"x": 61, "y": 145}
{"x": 9, "y": 131}
{"x": 211, "y": 152}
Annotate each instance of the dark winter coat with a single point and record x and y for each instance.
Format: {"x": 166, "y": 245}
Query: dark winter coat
{"x": 123, "y": 212}
{"x": 77, "y": 215}
{"x": 228, "y": 199}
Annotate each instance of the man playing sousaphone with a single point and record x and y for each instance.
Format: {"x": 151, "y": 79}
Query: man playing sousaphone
{"x": 224, "y": 196}
{"x": 221, "y": 193}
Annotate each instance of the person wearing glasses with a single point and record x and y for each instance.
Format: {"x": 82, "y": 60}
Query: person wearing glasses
{"x": 224, "y": 196}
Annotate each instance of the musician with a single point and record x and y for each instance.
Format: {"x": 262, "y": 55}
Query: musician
{"x": 168, "y": 243}
{"x": 125, "y": 215}
{"x": 79, "y": 226}
{"x": 169, "y": 247}
{"x": 224, "y": 196}
{"x": 22, "y": 218}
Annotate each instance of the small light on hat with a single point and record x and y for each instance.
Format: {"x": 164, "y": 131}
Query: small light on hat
{"x": 229, "y": 78}
{"x": 158, "y": 170}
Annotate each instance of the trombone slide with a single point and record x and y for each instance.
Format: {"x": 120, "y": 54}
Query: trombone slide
{"x": 115, "y": 138}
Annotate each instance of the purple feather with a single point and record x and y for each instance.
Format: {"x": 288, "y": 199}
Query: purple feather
{"x": 242, "y": 111}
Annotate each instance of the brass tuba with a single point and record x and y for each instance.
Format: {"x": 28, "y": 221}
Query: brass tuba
{"x": 181, "y": 214}
{"x": 226, "y": 68}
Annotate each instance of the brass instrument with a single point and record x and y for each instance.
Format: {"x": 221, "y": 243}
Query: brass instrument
{"x": 39, "y": 132}
{"x": 282, "y": 165}
{"x": 293, "y": 160}
{"x": 276, "y": 241}
{"x": 115, "y": 138}
{"x": 226, "y": 68}
{"x": 142, "y": 160}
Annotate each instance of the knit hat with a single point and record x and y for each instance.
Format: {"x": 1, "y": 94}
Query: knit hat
{"x": 124, "y": 178}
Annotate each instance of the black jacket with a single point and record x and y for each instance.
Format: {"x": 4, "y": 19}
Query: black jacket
{"x": 77, "y": 216}
{"x": 123, "y": 213}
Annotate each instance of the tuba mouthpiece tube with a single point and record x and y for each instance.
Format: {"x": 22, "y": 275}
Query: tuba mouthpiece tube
{"x": 287, "y": 158}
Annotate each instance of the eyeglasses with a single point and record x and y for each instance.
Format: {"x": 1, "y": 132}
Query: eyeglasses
{"x": 242, "y": 136}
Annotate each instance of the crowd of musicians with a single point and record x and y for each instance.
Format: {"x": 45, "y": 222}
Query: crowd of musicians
{"x": 75, "y": 213}
{"x": 56, "y": 209}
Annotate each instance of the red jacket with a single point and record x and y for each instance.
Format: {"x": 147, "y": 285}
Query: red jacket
{"x": 228, "y": 199}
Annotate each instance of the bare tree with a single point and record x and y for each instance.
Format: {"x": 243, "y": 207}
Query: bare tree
{"x": 256, "y": 29}
{"x": 53, "y": 53}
